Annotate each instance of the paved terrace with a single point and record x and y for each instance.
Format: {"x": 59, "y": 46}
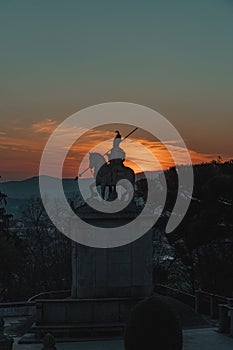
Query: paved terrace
{"x": 198, "y": 335}
{"x": 194, "y": 339}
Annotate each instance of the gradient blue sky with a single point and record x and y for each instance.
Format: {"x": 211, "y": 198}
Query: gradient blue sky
{"x": 60, "y": 56}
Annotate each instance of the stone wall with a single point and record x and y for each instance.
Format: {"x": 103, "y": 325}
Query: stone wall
{"x": 17, "y": 309}
{"x": 114, "y": 272}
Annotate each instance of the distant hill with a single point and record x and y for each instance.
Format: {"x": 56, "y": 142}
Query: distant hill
{"x": 19, "y": 192}
{"x": 28, "y": 188}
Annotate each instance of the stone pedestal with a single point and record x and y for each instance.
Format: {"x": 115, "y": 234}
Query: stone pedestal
{"x": 125, "y": 271}
{"x": 115, "y": 272}
{"x": 106, "y": 284}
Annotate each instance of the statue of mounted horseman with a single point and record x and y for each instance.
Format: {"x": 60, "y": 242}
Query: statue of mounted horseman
{"x": 108, "y": 173}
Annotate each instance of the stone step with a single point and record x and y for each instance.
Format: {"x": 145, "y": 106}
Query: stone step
{"x": 80, "y": 330}
{"x": 15, "y": 326}
{"x": 74, "y": 332}
{"x": 79, "y": 325}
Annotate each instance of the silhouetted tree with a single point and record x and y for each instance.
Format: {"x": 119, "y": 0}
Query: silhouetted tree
{"x": 11, "y": 256}
{"x": 48, "y": 251}
{"x": 203, "y": 241}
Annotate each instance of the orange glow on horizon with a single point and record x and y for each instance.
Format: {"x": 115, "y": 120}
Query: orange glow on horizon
{"x": 21, "y": 150}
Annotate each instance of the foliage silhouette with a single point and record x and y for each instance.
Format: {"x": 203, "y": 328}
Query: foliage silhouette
{"x": 153, "y": 325}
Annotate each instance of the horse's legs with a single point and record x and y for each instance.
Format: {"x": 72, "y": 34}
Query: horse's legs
{"x": 98, "y": 188}
{"x": 91, "y": 188}
{"x": 112, "y": 193}
{"x": 102, "y": 191}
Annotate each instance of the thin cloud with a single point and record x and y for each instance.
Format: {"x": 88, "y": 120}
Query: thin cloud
{"x": 46, "y": 126}
{"x": 139, "y": 157}
{"x": 21, "y": 150}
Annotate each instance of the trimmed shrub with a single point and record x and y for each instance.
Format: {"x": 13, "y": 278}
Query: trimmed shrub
{"x": 153, "y": 325}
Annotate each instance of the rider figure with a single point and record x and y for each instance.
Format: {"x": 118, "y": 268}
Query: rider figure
{"x": 116, "y": 157}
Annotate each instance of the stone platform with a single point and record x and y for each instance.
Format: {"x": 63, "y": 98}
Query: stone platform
{"x": 124, "y": 271}
{"x": 106, "y": 284}
{"x": 80, "y": 318}
{"x": 194, "y": 339}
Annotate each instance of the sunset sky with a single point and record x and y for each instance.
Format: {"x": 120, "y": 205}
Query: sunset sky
{"x": 58, "y": 57}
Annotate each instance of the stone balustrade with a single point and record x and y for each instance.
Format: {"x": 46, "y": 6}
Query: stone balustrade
{"x": 226, "y": 319}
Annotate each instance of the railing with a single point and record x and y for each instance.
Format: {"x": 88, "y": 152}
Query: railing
{"x": 17, "y": 309}
{"x": 218, "y": 307}
{"x": 208, "y": 303}
{"x": 185, "y": 297}
{"x": 27, "y": 308}
{"x": 226, "y": 319}
{"x": 55, "y": 294}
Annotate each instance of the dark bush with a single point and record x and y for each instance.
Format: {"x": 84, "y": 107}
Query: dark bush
{"x": 153, "y": 325}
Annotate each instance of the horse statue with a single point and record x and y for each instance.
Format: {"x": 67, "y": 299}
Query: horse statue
{"x": 107, "y": 174}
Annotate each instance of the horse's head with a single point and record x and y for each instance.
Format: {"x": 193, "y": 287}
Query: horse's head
{"x": 96, "y": 160}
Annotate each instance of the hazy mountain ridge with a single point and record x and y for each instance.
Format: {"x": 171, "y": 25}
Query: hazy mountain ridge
{"x": 20, "y": 192}
{"x": 28, "y": 188}
{"x": 25, "y": 189}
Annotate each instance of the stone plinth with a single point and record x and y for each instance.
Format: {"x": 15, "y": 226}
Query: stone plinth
{"x": 124, "y": 271}
{"x": 106, "y": 284}
{"x": 80, "y": 318}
